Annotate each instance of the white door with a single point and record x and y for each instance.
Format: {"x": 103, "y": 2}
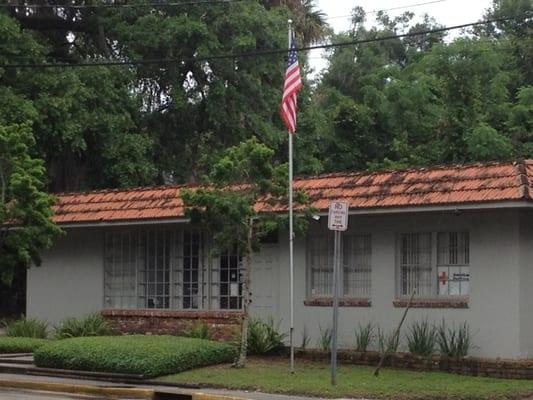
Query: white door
{"x": 265, "y": 282}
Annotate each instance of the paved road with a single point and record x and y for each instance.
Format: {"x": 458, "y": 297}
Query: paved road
{"x": 38, "y": 395}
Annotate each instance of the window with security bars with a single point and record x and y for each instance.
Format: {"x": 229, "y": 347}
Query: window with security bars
{"x": 415, "y": 264}
{"x": 191, "y": 271}
{"x": 154, "y": 276}
{"x": 227, "y": 277}
{"x": 153, "y": 269}
{"x": 453, "y": 259}
{"x": 120, "y": 272}
{"x": 355, "y": 277}
{"x": 357, "y": 257}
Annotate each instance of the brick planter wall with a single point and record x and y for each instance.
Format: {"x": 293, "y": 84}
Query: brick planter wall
{"x": 494, "y": 368}
{"x": 222, "y": 324}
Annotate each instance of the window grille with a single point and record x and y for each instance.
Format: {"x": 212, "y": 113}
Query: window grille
{"x": 453, "y": 259}
{"x": 191, "y": 270}
{"x": 320, "y": 259}
{"x": 227, "y": 280}
{"x": 120, "y": 270}
{"x": 155, "y": 276}
{"x": 357, "y": 264}
{"x": 415, "y": 264}
{"x": 357, "y": 251}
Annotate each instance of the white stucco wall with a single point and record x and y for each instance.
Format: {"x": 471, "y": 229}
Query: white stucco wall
{"x": 70, "y": 280}
{"x": 526, "y": 284}
{"x": 493, "y": 313}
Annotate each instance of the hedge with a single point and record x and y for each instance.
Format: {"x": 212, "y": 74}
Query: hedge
{"x": 150, "y": 356}
{"x": 10, "y": 344}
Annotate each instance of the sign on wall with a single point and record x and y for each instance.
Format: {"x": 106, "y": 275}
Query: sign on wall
{"x": 338, "y": 216}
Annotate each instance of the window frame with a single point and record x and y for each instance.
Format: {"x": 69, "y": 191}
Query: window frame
{"x": 434, "y": 247}
{"x": 328, "y": 236}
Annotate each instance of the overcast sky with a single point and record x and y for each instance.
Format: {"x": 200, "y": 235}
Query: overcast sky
{"x": 446, "y": 12}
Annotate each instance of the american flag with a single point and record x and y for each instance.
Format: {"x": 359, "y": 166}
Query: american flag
{"x": 293, "y": 83}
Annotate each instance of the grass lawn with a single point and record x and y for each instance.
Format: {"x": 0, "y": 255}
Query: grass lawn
{"x": 313, "y": 379}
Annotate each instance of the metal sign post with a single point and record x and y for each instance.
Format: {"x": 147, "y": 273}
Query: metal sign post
{"x": 338, "y": 222}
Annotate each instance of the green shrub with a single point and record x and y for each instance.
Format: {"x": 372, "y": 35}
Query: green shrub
{"x": 388, "y": 343}
{"x": 150, "y": 356}
{"x": 92, "y": 325}
{"x": 199, "y": 331}
{"x": 306, "y": 338}
{"x": 454, "y": 342}
{"x": 324, "y": 341}
{"x": 20, "y": 344}
{"x": 421, "y": 338}
{"x": 30, "y": 328}
{"x": 364, "y": 335}
{"x": 264, "y": 337}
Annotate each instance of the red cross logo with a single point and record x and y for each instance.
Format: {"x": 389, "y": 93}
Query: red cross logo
{"x": 443, "y": 277}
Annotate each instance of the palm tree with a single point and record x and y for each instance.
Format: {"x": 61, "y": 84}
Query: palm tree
{"x": 309, "y": 23}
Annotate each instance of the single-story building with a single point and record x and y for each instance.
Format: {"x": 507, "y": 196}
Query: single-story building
{"x": 461, "y": 236}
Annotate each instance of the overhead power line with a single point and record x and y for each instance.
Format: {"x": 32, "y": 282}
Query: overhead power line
{"x": 120, "y": 5}
{"x": 390, "y": 9}
{"x": 257, "y": 53}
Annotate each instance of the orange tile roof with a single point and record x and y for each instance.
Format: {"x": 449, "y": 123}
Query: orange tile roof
{"x": 432, "y": 186}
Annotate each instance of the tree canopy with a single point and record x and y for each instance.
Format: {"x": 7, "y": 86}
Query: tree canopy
{"x": 26, "y": 225}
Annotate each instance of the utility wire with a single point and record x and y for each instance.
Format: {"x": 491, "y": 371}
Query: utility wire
{"x": 390, "y": 9}
{"x": 119, "y": 5}
{"x": 259, "y": 53}
{"x": 461, "y": 51}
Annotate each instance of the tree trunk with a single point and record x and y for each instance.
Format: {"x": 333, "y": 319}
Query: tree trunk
{"x": 247, "y": 298}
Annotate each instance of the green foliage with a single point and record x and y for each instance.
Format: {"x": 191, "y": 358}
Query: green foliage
{"x": 364, "y": 335}
{"x": 28, "y": 327}
{"x": 22, "y": 202}
{"x": 388, "y": 342}
{"x": 199, "y": 331}
{"x": 146, "y": 355}
{"x": 10, "y": 344}
{"x": 306, "y": 338}
{"x": 92, "y": 325}
{"x": 264, "y": 337}
{"x": 325, "y": 338}
{"x": 454, "y": 342}
{"x": 238, "y": 179}
{"x": 85, "y": 120}
{"x": 485, "y": 143}
{"x": 422, "y": 338}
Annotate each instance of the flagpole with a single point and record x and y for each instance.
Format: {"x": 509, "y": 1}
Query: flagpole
{"x": 291, "y": 235}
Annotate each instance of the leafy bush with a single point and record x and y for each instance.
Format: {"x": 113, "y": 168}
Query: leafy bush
{"x": 199, "y": 331}
{"x": 364, "y": 335}
{"x": 388, "y": 343}
{"x": 454, "y": 342}
{"x": 324, "y": 341}
{"x": 422, "y": 338}
{"x": 146, "y": 355}
{"x": 264, "y": 337}
{"x": 91, "y": 325}
{"x": 20, "y": 344}
{"x": 29, "y": 328}
{"x": 306, "y": 339}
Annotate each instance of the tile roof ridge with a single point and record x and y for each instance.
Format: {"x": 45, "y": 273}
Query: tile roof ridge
{"x": 125, "y": 189}
{"x": 436, "y": 167}
{"x": 523, "y": 178}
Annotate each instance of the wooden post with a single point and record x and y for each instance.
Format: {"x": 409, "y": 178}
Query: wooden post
{"x": 394, "y": 337}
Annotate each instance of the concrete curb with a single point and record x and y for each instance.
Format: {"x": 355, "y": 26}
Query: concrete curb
{"x": 108, "y": 391}
{"x": 57, "y": 387}
{"x": 209, "y": 396}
